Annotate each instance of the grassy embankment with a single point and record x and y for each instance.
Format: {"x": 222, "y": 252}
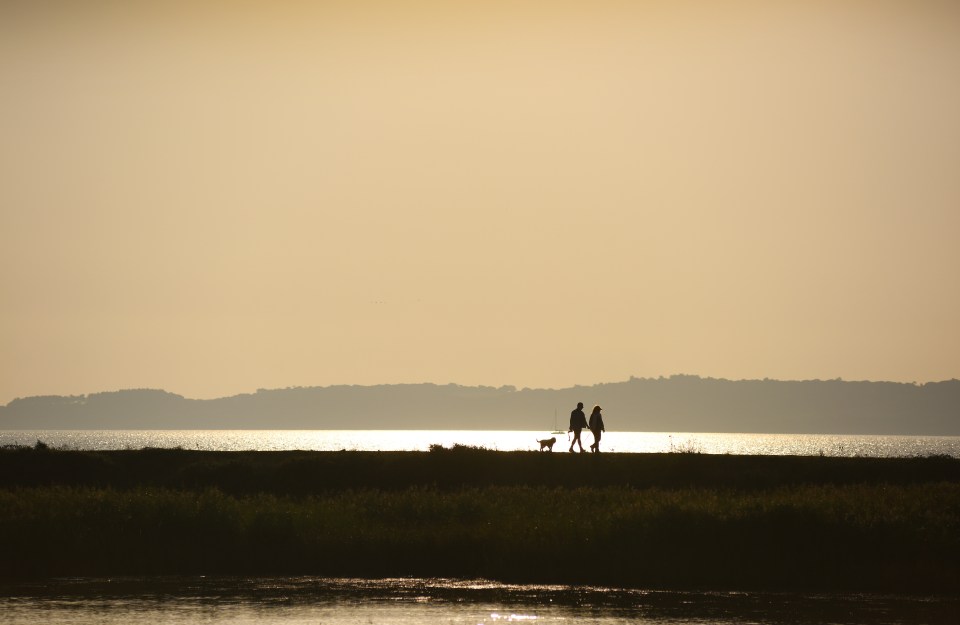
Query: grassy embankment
{"x": 643, "y": 520}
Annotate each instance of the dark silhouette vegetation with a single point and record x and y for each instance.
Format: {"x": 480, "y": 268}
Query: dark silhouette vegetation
{"x": 637, "y": 520}
{"x": 680, "y": 403}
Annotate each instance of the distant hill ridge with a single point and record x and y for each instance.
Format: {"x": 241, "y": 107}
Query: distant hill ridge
{"x": 679, "y": 403}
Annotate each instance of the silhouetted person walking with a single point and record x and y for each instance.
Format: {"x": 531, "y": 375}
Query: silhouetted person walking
{"x": 596, "y": 427}
{"x": 578, "y": 421}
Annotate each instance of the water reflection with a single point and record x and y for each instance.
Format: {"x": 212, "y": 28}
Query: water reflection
{"x": 422, "y": 440}
{"x": 414, "y": 601}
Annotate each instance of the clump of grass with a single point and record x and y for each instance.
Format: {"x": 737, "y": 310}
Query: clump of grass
{"x": 459, "y": 447}
{"x": 689, "y": 446}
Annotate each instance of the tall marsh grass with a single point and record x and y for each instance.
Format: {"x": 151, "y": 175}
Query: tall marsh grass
{"x": 860, "y": 536}
{"x": 646, "y": 520}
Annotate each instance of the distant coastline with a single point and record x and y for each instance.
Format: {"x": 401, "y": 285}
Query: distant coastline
{"x": 675, "y": 403}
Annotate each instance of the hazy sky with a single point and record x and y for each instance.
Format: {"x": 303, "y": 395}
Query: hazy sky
{"x": 214, "y": 197}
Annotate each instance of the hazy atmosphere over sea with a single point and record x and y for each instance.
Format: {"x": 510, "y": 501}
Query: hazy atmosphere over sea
{"x": 215, "y": 197}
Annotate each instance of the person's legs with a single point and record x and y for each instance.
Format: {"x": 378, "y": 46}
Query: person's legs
{"x": 576, "y": 439}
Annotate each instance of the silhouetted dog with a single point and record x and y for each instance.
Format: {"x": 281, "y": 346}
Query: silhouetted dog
{"x": 547, "y": 443}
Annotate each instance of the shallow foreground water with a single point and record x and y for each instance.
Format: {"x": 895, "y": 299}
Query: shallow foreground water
{"x": 510, "y": 440}
{"x": 287, "y": 600}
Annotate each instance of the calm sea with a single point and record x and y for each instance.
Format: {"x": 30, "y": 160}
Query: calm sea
{"x": 422, "y": 440}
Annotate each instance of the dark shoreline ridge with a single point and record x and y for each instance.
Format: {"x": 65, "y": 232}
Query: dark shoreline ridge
{"x": 629, "y": 520}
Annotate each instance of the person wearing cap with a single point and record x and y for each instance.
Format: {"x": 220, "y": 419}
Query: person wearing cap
{"x": 578, "y": 421}
{"x": 596, "y": 427}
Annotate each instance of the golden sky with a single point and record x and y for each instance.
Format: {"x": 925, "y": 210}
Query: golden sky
{"x": 215, "y": 197}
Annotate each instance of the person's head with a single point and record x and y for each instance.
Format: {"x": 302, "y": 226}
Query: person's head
{"x": 579, "y": 405}
{"x": 597, "y": 409}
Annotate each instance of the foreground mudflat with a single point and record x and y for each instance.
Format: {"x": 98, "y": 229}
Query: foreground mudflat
{"x": 642, "y": 521}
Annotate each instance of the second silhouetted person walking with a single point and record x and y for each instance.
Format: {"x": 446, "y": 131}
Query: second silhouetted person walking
{"x": 596, "y": 427}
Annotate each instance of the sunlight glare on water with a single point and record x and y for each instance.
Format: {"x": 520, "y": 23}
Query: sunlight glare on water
{"x": 295, "y": 601}
{"x": 422, "y": 440}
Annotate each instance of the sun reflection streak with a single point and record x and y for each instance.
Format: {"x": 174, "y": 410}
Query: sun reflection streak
{"x": 513, "y": 440}
{"x": 513, "y": 617}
